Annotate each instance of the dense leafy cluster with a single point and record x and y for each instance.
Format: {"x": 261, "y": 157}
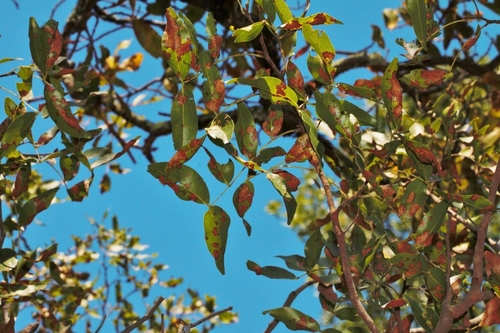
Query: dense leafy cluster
{"x": 398, "y": 199}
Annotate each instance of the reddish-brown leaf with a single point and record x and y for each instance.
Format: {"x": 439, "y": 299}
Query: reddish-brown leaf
{"x": 492, "y": 263}
{"x": 292, "y": 182}
{"x": 491, "y": 313}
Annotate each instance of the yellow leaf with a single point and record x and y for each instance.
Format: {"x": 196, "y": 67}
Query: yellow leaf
{"x": 133, "y": 63}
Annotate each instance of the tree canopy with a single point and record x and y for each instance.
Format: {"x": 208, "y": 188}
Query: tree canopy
{"x": 390, "y": 179}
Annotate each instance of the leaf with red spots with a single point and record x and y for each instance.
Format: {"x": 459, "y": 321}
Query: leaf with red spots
{"x": 214, "y": 40}
{"x": 477, "y": 201}
{"x": 267, "y": 154}
{"x": 292, "y": 182}
{"x": 433, "y": 219}
{"x": 243, "y": 197}
{"x": 320, "y": 42}
{"x": 176, "y": 44}
{"x": 22, "y": 180}
{"x": 60, "y": 112}
{"x": 294, "y": 319}
{"x": 418, "y": 16}
{"x": 288, "y": 199}
{"x": 36, "y": 205}
{"x": 216, "y": 223}
{"x": 248, "y": 33}
{"x": 184, "y": 118}
{"x": 392, "y": 94}
{"x": 423, "y": 79}
{"x": 418, "y": 153}
{"x": 185, "y": 153}
{"x": 412, "y": 201}
{"x": 301, "y": 151}
{"x": 245, "y": 132}
{"x": 295, "y": 262}
{"x": 274, "y": 121}
{"x": 185, "y": 181}
{"x": 271, "y": 88}
{"x": 330, "y": 110}
{"x": 296, "y": 23}
{"x": 436, "y": 283}
{"x": 271, "y": 272}
{"x": 409, "y": 264}
{"x": 214, "y": 89}
{"x": 222, "y": 172}
{"x": 25, "y": 73}
{"x": 221, "y": 128}
{"x": 295, "y": 79}
{"x": 16, "y": 131}
{"x": 361, "y": 88}
{"x": 425, "y": 315}
{"x": 80, "y": 191}
{"x": 318, "y": 70}
{"x": 45, "y": 44}
{"x": 69, "y": 166}
{"x": 491, "y": 313}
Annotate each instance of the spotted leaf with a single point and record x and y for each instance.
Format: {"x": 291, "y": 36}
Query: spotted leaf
{"x": 216, "y": 223}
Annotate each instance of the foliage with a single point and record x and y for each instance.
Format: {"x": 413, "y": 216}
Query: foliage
{"x": 397, "y": 205}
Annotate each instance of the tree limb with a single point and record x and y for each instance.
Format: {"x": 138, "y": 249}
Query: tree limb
{"x": 146, "y": 317}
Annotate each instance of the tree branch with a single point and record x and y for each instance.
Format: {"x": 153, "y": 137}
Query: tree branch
{"x": 188, "y": 327}
{"x": 146, "y": 317}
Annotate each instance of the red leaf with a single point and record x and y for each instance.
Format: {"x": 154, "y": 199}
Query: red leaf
{"x": 55, "y": 41}
{"x": 491, "y": 313}
{"x": 395, "y": 303}
{"x": 492, "y": 263}
{"x": 243, "y": 197}
{"x": 274, "y": 121}
{"x": 300, "y": 151}
{"x": 185, "y": 153}
{"x": 292, "y": 182}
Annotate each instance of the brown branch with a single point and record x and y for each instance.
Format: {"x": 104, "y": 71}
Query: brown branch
{"x": 146, "y": 317}
{"x": 291, "y": 297}
{"x": 188, "y": 327}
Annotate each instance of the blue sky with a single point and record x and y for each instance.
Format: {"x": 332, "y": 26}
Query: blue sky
{"x": 172, "y": 227}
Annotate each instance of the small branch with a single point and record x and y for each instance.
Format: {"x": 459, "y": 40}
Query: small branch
{"x": 146, "y": 317}
{"x": 293, "y": 295}
{"x": 204, "y": 319}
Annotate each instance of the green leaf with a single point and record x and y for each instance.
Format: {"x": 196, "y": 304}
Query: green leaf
{"x": 185, "y": 181}
{"x": 433, "y": 219}
{"x": 19, "y": 128}
{"x": 295, "y": 79}
{"x": 245, "y": 132}
{"x": 24, "y": 87}
{"x": 45, "y": 44}
{"x": 269, "y": 8}
{"x": 216, "y": 222}
{"x": 271, "y": 272}
{"x": 2, "y": 60}
{"x": 184, "y": 118}
{"x": 274, "y": 120}
{"x": 149, "y": 39}
{"x": 186, "y": 152}
{"x": 361, "y": 115}
{"x": 424, "y": 170}
{"x": 392, "y": 94}
{"x": 222, "y": 172}
{"x": 243, "y": 197}
{"x": 271, "y": 88}
{"x": 213, "y": 86}
{"x": 296, "y": 262}
{"x": 60, "y": 112}
{"x": 361, "y": 88}
{"x": 280, "y": 185}
{"x": 296, "y": 23}
{"x": 284, "y": 12}
{"x": 69, "y": 166}
{"x": 222, "y": 127}
{"x": 8, "y": 260}
{"x": 477, "y": 201}
{"x": 294, "y": 319}
{"x": 107, "y": 158}
{"x": 418, "y": 16}
{"x": 423, "y": 78}
{"x": 266, "y": 154}
{"x": 317, "y": 69}
{"x": 425, "y": 316}
{"x": 412, "y": 200}
{"x": 36, "y": 205}
{"x": 436, "y": 283}
{"x": 248, "y": 33}
{"x": 321, "y": 43}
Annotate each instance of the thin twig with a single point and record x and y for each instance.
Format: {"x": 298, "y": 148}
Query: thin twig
{"x": 146, "y": 317}
{"x": 204, "y": 319}
{"x": 291, "y": 297}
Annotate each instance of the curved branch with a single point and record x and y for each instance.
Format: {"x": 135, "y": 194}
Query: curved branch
{"x": 146, "y": 317}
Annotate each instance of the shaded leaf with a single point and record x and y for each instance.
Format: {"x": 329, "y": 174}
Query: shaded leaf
{"x": 213, "y": 86}
{"x": 185, "y": 181}
{"x": 476, "y": 201}
{"x": 80, "y": 191}
{"x": 271, "y": 272}
{"x": 18, "y": 129}
{"x": 292, "y": 183}
{"x": 295, "y": 79}
{"x": 423, "y": 79}
{"x": 296, "y": 262}
{"x": 243, "y": 197}
{"x": 222, "y": 172}
{"x": 433, "y": 219}
{"x": 214, "y": 40}
{"x": 424, "y": 315}
{"x": 149, "y": 39}
{"x": 294, "y": 319}
{"x": 491, "y": 313}
{"x": 301, "y": 150}
{"x": 69, "y": 166}
{"x": 288, "y": 199}
{"x": 36, "y": 205}
{"x": 436, "y": 283}
{"x": 266, "y": 154}
{"x": 392, "y": 94}
{"x": 216, "y": 223}
{"x": 105, "y": 183}
{"x": 45, "y": 44}
{"x": 109, "y": 157}
{"x": 8, "y": 260}
{"x": 245, "y": 132}
{"x": 418, "y": 16}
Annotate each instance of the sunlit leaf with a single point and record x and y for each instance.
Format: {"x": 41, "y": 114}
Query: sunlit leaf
{"x": 176, "y": 44}
{"x": 296, "y": 23}
{"x": 422, "y": 78}
{"x": 216, "y": 222}
{"x": 248, "y": 33}
{"x": 294, "y": 319}
{"x": 271, "y": 88}
{"x": 274, "y": 121}
{"x": 243, "y": 197}
{"x": 476, "y": 201}
{"x": 184, "y": 154}
{"x": 222, "y": 127}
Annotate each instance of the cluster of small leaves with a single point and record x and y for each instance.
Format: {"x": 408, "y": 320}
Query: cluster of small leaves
{"x": 411, "y": 176}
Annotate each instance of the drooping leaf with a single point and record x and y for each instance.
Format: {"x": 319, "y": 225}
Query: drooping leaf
{"x": 243, "y": 197}
{"x": 248, "y": 33}
{"x": 274, "y": 121}
{"x": 424, "y": 170}
{"x": 18, "y": 129}
{"x": 418, "y": 16}
{"x": 301, "y": 151}
{"x": 361, "y": 88}
{"x": 288, "y": 199}
{"x": 183, "y": 117}
{"x": 109, "y": 157}
{"x": 392, "y": 94}
{"x": 213, "y": 86}
{"x": 149, "y": 39}
{"x": 214, "y": 40}
{"x": 296, "y": 23}
{"x": 185, "y": 181}
{"x": 105, "y": 183}
{"x": 295, "y": 79}
{"x": 60, "y": 112}
{"x": 361, "y": 115}
{"x": 318, "y": 70}
{"x": 425, "y": 315}
{"x": 36, "y": 205}
{"x": 8, "y": 260}
{"x": 321, "y": 43}
{"x": 271, "y": 272}
{"x": 216, "y": 222}
{"x": 222, "y": 127}
{"x": 222, "y": 172}
{"x": 245, "y": 132}
{"x": 80, "y": 190}
{"x": 22, "y": 180}
{"x": 294, "y": 319}
{"x": 292, "y": 183}
{"x": 271, "y": 88}
{"x": 436, "y": 282}
{"x": 69, "y": 166}
{"x": 25, "y": 73}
